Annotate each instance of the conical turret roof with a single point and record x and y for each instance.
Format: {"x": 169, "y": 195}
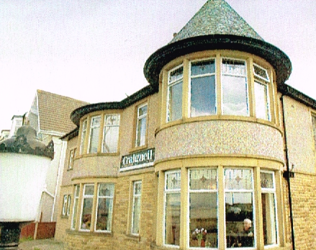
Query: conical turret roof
{"x": 216, "y": 17}
{"x": 217, "y": 26}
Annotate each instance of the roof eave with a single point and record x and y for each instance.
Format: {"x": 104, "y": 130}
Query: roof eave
{"x": 278, "y": 59}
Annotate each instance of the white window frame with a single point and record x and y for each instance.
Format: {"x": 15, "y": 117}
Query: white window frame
{"x": 83, "y": 135}
{"x": 138, "y": 137}
{"x": 170, "y": 85}
{"x": 105, "y": 126}
{"x": 272, "y": 191}
{"x": 92, "y": 127}
{"x": 235, "y": 75}
{"x": 199, "y": 76}
{"x": 96, "y": 209}
{"x": 75, "y": 207}
{"x": 135, "y": 183}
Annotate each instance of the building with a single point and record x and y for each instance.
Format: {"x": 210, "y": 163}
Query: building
{"x": 4, "y": 134}
{"x": 49, "y": 116}
{"x": 216, "y": 137}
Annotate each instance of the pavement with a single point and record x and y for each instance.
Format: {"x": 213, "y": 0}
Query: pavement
{"x": 46, "y": 244}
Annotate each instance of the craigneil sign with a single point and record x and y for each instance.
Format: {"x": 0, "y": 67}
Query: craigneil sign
{"x": 140, "y": 159}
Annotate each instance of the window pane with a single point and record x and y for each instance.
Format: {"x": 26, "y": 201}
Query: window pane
{"x": 267, "y": 180}
{"x": 260, "y": 72}
{"x": 203, "y": 215}
{"x": 203, "y": 67}
{"x": 136, "y": 207}
{"x": 104, "y": 207}
{"x": 175, "y": 102}
{"x": 239, "y": 207}
{"x": 203, "y": 96}
{"x": 104, "y": 214}
{"x": 110, "y": 133}
{"x": 269, "y": 218}
{"x": 234, "y": 88}
{"x": 68, "y": 205}
{"x": 94, "y": 134}
{"x": 176, "y": 75}
{"x": 86, "y": 213}
{"x": 262, "y": 104}
{"x": 314, "y": 128}
{"x": 172, "y": 219}
{"x": 64, "y": 205}
{"x": 88, "y": 190}
{"x": 236, "y": 179}
{"x": 173, "y": 180}
{"x": 75, "y": 207}
{"x": 141, "y": 126}
{"x": 239, "y": 218}
{"x": 83, "y": 135}
{"x": 203, "y": 179}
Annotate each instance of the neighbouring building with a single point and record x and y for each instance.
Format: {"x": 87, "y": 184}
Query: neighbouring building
{"x": 216, "y": 142}
{"x": 4, "y": 134}
{"x": 49, "y": 116}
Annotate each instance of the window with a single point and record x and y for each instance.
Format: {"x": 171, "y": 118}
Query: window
{"x": 261, "y": 92}
{"x": 64, "y": 205}
{"x": 174, "y": 103}
{"x": 72, "y": 155}
{"x": 218, "y": 86}
{"x": 110, "y": 133}
{"x": 314, "y": 128}
{"x": 137, "y": 190}
{"x": 203, "y": 96}
{"x": 86, "y": 209}
{"x": 172, "y": 208}
{"x": 75, "y": 206}
{"x": 83, "y": 135}
{"x": 94, "y": 134}
{"x": 234, "y": 88}
{"x": 141, "y": 126}
{"x": 203, "y": 205}
{"x": 239, "y": 207}
{"x": 104, "y": 207}
{"x": 269, "y": 211}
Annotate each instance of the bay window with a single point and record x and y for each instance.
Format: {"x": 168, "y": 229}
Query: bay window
{"x": 219, "y": 192}
{"x": 174, "y": 103}
{"x": 203, "y": 98}
{"x": 141, "y": 125}
{"x": 94, "y": 134}
{"x": 219, "y": 86}
{"x": 110, "y": 133}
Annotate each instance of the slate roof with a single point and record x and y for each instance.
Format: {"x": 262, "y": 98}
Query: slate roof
{"x": 217, "y": 26}
{"x": 216, "y": 17}
{"x": 54, "y": 111}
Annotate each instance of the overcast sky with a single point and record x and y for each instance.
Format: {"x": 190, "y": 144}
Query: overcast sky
{"x": 95, "y": 50}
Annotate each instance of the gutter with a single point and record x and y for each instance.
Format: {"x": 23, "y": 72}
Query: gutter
{"x": 288, "y": 175}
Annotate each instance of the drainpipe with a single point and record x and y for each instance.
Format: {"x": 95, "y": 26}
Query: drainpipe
{"x": 288, "y": 175}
